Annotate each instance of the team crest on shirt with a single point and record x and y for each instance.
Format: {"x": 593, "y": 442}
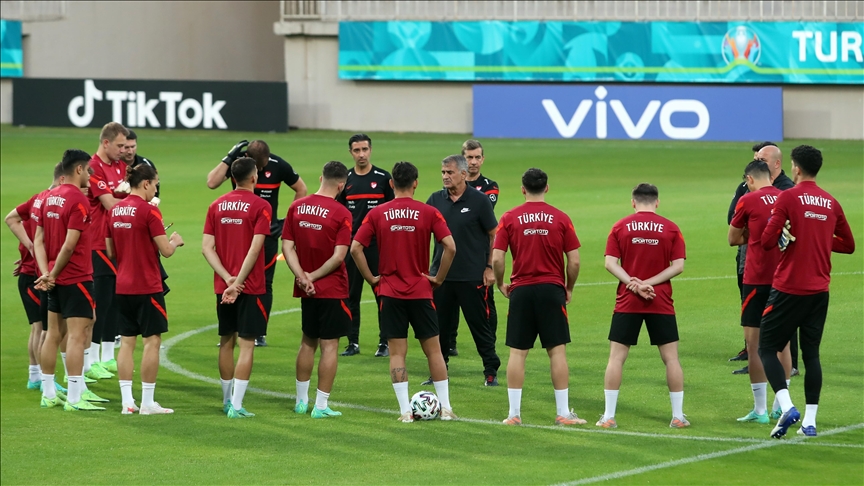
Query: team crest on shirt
{"x": 373, "y": 184}
{"x": 267, "y": 174}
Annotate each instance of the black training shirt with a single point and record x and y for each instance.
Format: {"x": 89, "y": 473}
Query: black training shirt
{"x": 364, "y": 193}
{"x": 141, "y": 160}
{"x": 270, "y": 179}
{"x": 470, "y": 219}
{"x": 486, "y": 186}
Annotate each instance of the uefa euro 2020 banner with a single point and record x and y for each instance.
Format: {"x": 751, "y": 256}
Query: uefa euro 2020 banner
{"x": 669, "y": 52}
{"x": 628, "y": 112}
{"x": 11, "y": 55}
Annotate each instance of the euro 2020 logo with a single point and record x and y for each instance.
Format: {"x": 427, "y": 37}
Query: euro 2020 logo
{"x": 741, "y": 43}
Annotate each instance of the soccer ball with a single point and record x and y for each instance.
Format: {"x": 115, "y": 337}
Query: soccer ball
{"x": 425, "y": 406}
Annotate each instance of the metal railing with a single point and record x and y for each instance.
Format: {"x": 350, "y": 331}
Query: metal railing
{"x": 35, "y": 11}
{"x": 685, "y": 10}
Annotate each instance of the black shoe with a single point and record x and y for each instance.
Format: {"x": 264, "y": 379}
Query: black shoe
{"x": 351, "y": 349}
{"x": 741, "y": 356}
{"x": 743, "y": 371}
{"x": 260, "y": 342}
{"x": 427, "y": 382}
{"x": 453, "y": 351}
{"x": 491, "y": 380}
{"x": 795, "y": 372}
{"x": 383, "y": 351}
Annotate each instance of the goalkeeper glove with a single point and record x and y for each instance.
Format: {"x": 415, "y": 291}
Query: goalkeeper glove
{"x": 235, "y": 152}
{"x": 785, "y": 236}
{"x": 155, "y": 201}
{"x": 123, "y": 188}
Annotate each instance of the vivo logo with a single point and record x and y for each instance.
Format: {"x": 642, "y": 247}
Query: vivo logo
{"x": 190, "y": 112}
{"x": 634, "y": 130}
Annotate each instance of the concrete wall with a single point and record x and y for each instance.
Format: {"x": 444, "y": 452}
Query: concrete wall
{"x": 317, "y": 98}
{"x": 5, "y": 100}
{"x": 182, "y": 40}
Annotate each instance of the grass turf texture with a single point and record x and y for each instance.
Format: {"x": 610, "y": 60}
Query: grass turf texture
{"x": 591, "y": 181}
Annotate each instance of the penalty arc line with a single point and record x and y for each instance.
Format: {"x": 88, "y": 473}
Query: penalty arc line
{"x": 166, "y": 362}
{"x": 705, "y": 457}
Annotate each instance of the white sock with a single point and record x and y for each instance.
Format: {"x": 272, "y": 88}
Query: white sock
{"x": 677, "y": 399}
{"x": 776, "y": 405}
{"x": 126, "y": 392}
{"x": 226, "y": 391}
{"x": 611, "y": 403}
{"x": 783, "y": 398}
{"x": 302, "y": 392}
{"x": 515, "y": 396}
{"x": 75, "y": 389}
{"x": 48, "y": 390}
{"x": 401, "y": 390}
{"x": 87, "y": 362}
{"x": 321, "y": 399}
{"x": 562, "y": 402}
{"x": 94, "y": 353}
{"x": 810, "y": 416}
{"x": 239, "y": 393}
{"x": 760, "y": 397}
{"x": 107, "y": 351}
{"x": 65, "y": 370}
{"x": 35, "y": 373}
{"x": 147, "y": 390}
{"x": 442, "y": 389}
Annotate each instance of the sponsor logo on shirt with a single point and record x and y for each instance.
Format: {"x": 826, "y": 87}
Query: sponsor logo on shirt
{"x": 118, "y": 224}
{"x": 399, "y": 227}
{"x": 465, "y": 210}
{"x": 52, "y": 215}
{"x": 493, "y": 197}
{"x": 102, "y": 185}
{"x": 812, "y": 215}
{"x": 307, "y": 224}
{"x": 532, "y": 231}
{"x": 645, "y": 241}
{"x": 232, "y": 221}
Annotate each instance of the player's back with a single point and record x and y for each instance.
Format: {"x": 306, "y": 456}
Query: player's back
{"x": 753, "y": 211}
{"x": 132, "y": 225}
{"x": 64, "y": 208}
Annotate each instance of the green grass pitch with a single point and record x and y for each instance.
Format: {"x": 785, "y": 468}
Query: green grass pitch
{"x": 590, "y": 180}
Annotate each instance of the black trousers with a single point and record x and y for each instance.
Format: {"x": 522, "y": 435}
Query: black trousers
{"x": 472, "y": 298}
{"x": 493, "y": 318}
{"x": 355, "y": 293}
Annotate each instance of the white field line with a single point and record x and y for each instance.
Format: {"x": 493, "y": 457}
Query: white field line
{"x": 171, "y": 366}
{"x": 694, "y": 279}
{"x": 706, "y": 457}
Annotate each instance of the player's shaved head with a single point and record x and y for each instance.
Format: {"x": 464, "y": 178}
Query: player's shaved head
{"x": 260, "y": 152}
{"x": 645, "y": 193}
{"x": 72, "y": 159}
{"x": 404, "y": 174}
{"x": 335, "y": 171}
{"x": 535, "y": 181}
{"x": 808, "y": 159}
{"x": 757, "y": 169}
{"x": 243, "y": 169}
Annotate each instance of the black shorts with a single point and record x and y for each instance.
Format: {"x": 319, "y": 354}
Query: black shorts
{"x": 325, "y": 318}
{"x": 246, "y": 316}
{"x": 142, "y": 315}
{"x": 102, "y": 265}
{"x": 31, "y": 298}
{"x": 755, "y": 298}
{"x": 397, "y": 313}
{"x": 662, "y": 328}
{"x": 537, "y": 310}
{"x": 70, "y": 301}
{"x": 785, "y": 313}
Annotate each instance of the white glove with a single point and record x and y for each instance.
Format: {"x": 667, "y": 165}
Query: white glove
{"x": 123, "y": 188}
{"x": 155, "y": 201}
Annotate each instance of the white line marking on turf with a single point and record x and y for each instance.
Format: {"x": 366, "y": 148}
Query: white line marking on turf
{"x": 705, "y": 457}
{"x": 695, "y": 279}
{"x": 171, "y": 366}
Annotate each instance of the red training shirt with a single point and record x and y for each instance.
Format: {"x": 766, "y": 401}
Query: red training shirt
{"x": 402, "y": 228}
{"x": 317, "y": 225}
{"x": 66, "y": 208}
{"x": 752, "y": 212}
{"x": 645, "y": 243}
{"x": 819, "y": 226}
{"x": 538, "y": 235}
{"x": 29, "y": 213}
{"x": 104, "y": 180}
{"x": 132, "y": 225}
{"x": 234, "y": 219}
